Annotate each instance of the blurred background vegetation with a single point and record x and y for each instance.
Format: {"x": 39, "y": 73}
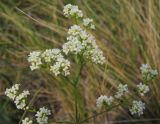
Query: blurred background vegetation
{"x": 128, "y": 32}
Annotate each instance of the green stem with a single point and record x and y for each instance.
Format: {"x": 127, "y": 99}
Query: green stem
{"x": 76, "y": 105}
{"x": 80, "y": 63}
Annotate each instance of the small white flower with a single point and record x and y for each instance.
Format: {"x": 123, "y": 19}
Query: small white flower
{"x": 35, "y": 59}
{"x": 104, "y": 100}
{"x": 51, "y": 58}
{"x": 42, "y": 115}
{"x": 87, "y": 22}
{"x": 20, "y": 100}
{"x": 66, "y": 10}
{"x": 72, "y": 11}
{"x": 12, "y": 92}
{"x": 73, "y": 46}
{"x": 147, "y": 72}
{"x": 137, "y": 108}
{"x": 145, "y": 68}
{"x": 75, "y": 30}
{"x": 142, "y": 89}
{"x": 122, "y": 90}
{"x": 61, "y": 66}
{"x": 27, "y": 121}
{"x": 81, "y": 42}
{"x": 51, "y": 54}
{"x": 97, "y": 56}
{"x": 75, "y": 41}
{"x": 154, "y": 72}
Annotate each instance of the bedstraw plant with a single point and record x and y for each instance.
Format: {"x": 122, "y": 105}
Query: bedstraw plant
{"x": 81, "y": 48}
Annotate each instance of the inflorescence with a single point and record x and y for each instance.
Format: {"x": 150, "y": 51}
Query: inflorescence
{"x": 122, "y": 90}
{"x": 79, "y": 42}
{"x": 20, "y": 99}
{"x": 104, "y": 100}
{"x": 50, "y": 58}
{"x": 147, "y": 72}
{"x": 42, "y": 115}
{"x": 27, "y": 121}
{"x": 142, "y": 89}
{"x": 138, "y": 106}
{"x": 72, "y": 11}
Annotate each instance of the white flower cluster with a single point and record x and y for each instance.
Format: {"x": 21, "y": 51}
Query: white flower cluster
{"x": 50, "y": 55}
{"x": 61, "y": 65}
{"x": 78, "y": 40}
{"x": 122, "y": 90}
{"x": 142, "y": 89}
{"x": 42, "y": 115}
{"x": 87, "y": 22}
{"x": 13, "y": 91}
{"x": 72, "y": 11}
{"x": 35, "y": 60}
{"x": 19, "y": 98}
{"x": 95, "y": 55}
{"x": 81, "y": 42}
{"x": 137, "y": 108}
{"x": 52, "y": 58}
{"x": 104, "y": 100}
{"x": 147, "y": 72}
{"x": 27, "y": 121}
